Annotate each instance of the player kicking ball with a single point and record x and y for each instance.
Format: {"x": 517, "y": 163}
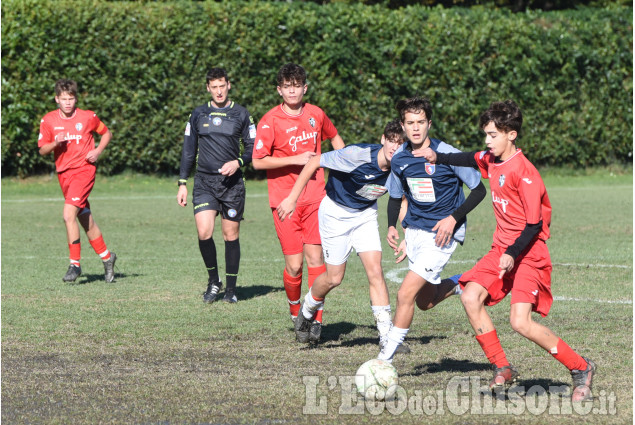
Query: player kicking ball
{"x": 347, "y": 220}
{"x": 519, "y": 260}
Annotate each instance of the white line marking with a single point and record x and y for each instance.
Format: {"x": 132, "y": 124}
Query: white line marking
{"x": 588, "y": 300}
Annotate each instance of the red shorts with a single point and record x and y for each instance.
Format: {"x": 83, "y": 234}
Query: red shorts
{"x": 529, "y": 281}
{"x": 299, "y": 229}
{"x": 76, "y": 184}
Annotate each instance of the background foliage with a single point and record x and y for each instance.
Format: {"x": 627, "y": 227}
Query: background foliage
{"x": 141, "y": 67}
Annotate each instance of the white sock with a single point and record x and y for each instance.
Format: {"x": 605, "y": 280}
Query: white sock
{"x": 395, "y": 338}
{"x": 382, "y": 320}
{"x": 310, "y": 306}
{"x": 458, "y": 290}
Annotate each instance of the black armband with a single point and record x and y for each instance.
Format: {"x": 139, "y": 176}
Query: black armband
{"x": 473, "y": 199}
{"x": 526, "y": 236}
{"x": 394, "y": 205}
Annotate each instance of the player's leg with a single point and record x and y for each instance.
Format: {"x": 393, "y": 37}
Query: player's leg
{"x": 473, "y": 298}
{"x": 232, "y": 257}
{"x": 96, "y": 240}
{"x": 532, "y": 292}
{"x": 432, "y": 295}
{"x": 205, "y": 221}
{"x": 313, "y": 253}
{"x": 74, "y": 243}
{"x": 307, "y": 327}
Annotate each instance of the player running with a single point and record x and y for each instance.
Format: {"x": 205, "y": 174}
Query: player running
{"x": 347, "y": 220}
{"x": 519, "y": 261}
{"x": 435, "y": 220}
{"x": 68, "y": 133}
{"x": 213, "y": 136}
{"x": 287, "y": 137}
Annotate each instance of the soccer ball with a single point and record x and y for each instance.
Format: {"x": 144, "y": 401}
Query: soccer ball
{"x": 376, "y": 380}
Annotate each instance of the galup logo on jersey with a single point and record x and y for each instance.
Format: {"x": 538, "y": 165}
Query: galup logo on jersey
{"x": 293, "y": 141}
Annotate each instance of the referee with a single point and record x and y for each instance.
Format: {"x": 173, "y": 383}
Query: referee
{"x": 213, "y": 136}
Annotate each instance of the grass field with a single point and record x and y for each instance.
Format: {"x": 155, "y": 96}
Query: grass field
{"x": 146, "y": 349}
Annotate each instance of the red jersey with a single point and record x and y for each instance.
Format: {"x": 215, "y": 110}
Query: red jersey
{"x": 280, "y": 134}
{"x": 519, "y": 196}
{"x": 79, "y": 136}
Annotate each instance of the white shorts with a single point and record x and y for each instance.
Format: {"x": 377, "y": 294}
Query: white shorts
{"x": 426, "y": 258}
{"x": 343, "y": 229}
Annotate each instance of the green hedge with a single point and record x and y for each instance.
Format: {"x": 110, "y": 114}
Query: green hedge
{"x": 141, "y": 67}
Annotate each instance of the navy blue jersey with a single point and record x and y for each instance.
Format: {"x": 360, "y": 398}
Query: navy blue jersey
{"x": 355, "y": 180}
{"x": 433, "y": 191}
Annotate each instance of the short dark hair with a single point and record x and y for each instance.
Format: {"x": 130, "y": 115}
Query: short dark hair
{"x": 216, "y": 74}
{"x": 506, "y": 116}
{"x": 64, "y": 85}
{"x": 291, "y": 73}
{"x": 394, "y": 130}
{"x": 414, "y": 105}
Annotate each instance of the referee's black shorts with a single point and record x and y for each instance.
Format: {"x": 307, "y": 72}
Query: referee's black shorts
{"x": 225, "y": 194}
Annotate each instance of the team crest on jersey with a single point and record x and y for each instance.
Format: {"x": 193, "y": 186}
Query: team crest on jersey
{"x": 259, "y": 144}
{"x": 217, "y": 121}
{"x": 312, "y": 122}
{"x": 78, "y": 126}
{"x": 430, "y": 168}
{"x": 501, "y": 180}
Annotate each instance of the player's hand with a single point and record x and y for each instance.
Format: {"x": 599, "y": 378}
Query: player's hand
{"x": 93, "y": 156}
{"x": 304, "y": 157}
{"x": 506, "y": 265}
{"x": 393, "y": 237}
{"x": 427, "y": 153}
{"x": 445, "y": 230}
{"x": 229, "y": 168}
{"x": 181, "y": 196}
{"x": 286, "y": 208}
{"x": 59, "y": 138}
{"x": 400, "y": 252}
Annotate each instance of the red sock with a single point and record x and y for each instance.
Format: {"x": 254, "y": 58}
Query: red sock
{"x": 293, "y": 288}
{"x": 493, "y": 349}
{"x": 99, "y": 246}
{"x": 569, "y": 358}
{"x": 314, "y": 272}
{"x": 75, "y": 251}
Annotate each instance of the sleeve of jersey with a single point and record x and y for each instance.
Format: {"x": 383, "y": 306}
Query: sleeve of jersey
{"x": 393, "y": 184}
{"x": 97, "y": 125}
{"x": 190, "y": 147}
{"x": 529, "y": 189}
{"x": 328, "y": 129}
{"x": 346, "y": 159}
{"x": 46, "y": 136}
{"x": 264, "y": 140}
{"x": 249, "y": 135}
{"x": 482, "y": 162}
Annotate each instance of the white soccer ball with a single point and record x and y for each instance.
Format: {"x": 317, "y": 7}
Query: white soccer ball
{"x": 376, "y": 380}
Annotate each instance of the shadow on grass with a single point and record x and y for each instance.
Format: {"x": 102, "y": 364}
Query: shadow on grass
{"x": 451, "y": 365}
{"x": 248, "y": 292}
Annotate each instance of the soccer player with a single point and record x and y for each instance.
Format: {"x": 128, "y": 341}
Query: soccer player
{"x": 68, "y": 133}
{"x": 519, "y": 260}
{"x": 213, "y": 136}
{"x": 347, "y": 220}
{"x": 288, "y": 136}
{"x": 435, "y": 219}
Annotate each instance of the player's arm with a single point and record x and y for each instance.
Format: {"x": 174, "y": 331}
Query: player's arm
{"x": 188, "y": 156}
{"x": 50, "y": 147}
{"x": 459, "y": 159}
{"x": 288, "y": 204}
{"x": 106, "y": 137}
{"x": 337, "y": 142}
{"x": 269, "y": 162}
{"x": 45, "y": 134}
